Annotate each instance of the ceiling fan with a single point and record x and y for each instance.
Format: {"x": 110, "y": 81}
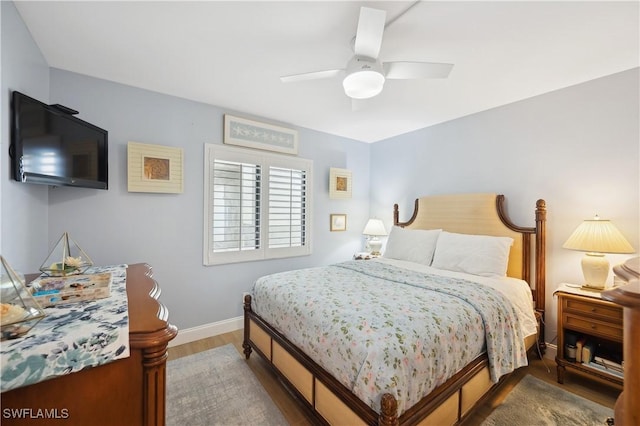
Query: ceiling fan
{"x": 365, "y": 73}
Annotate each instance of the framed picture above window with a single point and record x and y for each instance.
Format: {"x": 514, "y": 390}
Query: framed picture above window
{"x": 338, "y": 222}
{"x": 254, "y": 134}
{"x": 339, "y": 183}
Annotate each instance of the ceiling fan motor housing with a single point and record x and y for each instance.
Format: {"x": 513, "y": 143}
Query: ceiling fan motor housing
{"x": 365, "y": 78}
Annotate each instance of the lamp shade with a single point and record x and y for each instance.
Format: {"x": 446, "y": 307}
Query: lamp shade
{"x": 598, "y": 236}
{"x": 374, "y": 227}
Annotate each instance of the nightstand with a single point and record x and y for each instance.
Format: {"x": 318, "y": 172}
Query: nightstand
{"x": 583, "y": 315}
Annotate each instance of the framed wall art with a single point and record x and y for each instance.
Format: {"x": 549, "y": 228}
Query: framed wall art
{"x": 253, "y": 134}
{"x": 338, "y": 222}
{"x": 339, "y": 183}
{"x": 154, "y": 168}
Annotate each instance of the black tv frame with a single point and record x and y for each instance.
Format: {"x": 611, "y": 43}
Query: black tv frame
{"x": 16, "y": 148}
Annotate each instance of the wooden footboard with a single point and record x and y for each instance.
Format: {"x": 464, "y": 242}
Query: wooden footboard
{"x": 330, "y": 402}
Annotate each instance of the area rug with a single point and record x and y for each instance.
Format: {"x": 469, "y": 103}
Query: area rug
{"x": 217, "y": 387}
{"x": 535, "y": 402}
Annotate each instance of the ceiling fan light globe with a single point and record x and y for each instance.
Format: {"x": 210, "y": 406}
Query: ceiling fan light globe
{"x": 363, "y": 84}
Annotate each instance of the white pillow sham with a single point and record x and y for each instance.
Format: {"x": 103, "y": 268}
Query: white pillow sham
{"x": 413, "y": 245}
{"x": 482, "y": 255}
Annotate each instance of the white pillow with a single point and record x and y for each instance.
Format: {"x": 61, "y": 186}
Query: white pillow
{"x": 414, "y": 245}
{"x": 474, "y": 254}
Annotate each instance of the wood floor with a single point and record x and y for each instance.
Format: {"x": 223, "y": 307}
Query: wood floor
{"x": 542, "y": 369}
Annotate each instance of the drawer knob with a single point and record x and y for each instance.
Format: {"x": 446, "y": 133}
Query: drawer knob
{"x": 593, "y": 326}
{"x": 593, "y": 309}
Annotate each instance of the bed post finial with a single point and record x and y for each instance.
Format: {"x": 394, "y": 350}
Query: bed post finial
{"x": 388, "y": 411}
{"x": 541, "y": 209}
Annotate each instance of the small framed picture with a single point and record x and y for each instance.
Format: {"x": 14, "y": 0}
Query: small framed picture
{"x": 154, "y": 168}
{"x": 339, "y": 183}
{"x": 338, "y": 222}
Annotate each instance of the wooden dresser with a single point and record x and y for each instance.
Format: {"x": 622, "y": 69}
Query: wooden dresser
{"x": 627, "y": 411}
{"x": 129, "y": 391}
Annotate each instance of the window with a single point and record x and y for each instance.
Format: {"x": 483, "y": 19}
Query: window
{"x": 256, "y": 205}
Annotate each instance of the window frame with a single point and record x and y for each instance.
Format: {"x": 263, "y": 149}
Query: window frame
{"x": 265, "y": 160}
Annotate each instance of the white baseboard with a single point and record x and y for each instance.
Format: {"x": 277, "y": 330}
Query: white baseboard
{"x": 192, "y": 334}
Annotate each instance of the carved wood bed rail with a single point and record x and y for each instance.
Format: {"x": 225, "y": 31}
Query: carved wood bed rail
{"x": 330, "y": 402}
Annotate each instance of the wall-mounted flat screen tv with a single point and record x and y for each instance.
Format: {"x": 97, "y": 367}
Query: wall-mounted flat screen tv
{"x": 50, "y": 146}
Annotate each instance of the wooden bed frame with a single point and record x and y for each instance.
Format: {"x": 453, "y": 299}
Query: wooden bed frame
{"x": 330, "y": 402}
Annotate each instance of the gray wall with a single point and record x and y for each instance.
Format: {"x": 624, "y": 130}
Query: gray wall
{"x": 577, "y": 148}
{"x": 166, "y": 230}
{"x": 23, "y": 208}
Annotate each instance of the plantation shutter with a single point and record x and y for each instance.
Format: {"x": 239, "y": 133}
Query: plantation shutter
{"x": 256, "y": 205}
{"x": 287, "y": 207}
{"x": 236, "y": 206}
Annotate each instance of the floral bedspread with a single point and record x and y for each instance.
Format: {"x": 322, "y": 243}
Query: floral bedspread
{"x": 378, "y": 328}
{"x": 70, "y": 337}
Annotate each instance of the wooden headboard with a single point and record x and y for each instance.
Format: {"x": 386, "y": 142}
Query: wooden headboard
{"x": 485, "y": 214}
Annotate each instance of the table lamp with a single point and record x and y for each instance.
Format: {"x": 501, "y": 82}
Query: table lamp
{"x": 373, "y": 230}
{"x": 595, "y": 237}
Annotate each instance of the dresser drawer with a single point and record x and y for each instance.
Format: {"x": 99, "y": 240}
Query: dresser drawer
{"x": 593, "y": 327}
{"x": 591, "y": 309}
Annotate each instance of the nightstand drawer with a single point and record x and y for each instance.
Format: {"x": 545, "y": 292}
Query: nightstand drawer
{"x": 594, "y": 310}
{"x": 594, "y": 327}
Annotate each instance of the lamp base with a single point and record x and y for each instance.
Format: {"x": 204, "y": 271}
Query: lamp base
{"x": 595, "y": 268}
{"x": 375, "y": 245}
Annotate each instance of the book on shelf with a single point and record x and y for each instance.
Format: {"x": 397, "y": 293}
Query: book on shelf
{"x": 588, "y": 352}
{"x": 604, "y": 368}
{"x": 609, "y": 363}
{"x": 579, "y": 345}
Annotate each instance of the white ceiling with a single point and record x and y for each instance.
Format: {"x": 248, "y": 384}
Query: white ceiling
{"x": 231, "y": 54}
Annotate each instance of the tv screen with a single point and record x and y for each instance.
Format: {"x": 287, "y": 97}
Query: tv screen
{"x": 50, "y": 146}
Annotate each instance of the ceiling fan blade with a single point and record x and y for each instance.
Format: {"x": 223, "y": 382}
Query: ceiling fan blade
{"x": 369, "y": 34}
{"x": 310, "y": 76}
{"x": 414, "y": 70}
